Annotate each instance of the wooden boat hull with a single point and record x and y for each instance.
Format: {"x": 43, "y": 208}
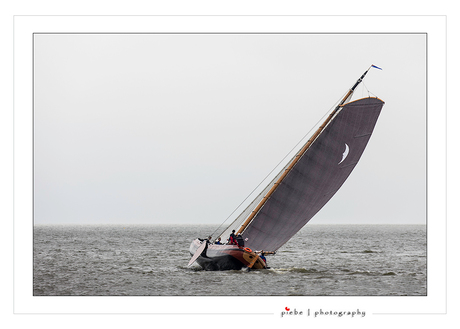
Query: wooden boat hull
{"x": 225, "y": 257}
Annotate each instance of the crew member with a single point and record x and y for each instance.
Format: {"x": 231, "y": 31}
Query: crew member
{"x": 239, "y": 240}
{"x": 262, "y": 256}
{"x": 232, "y": 239}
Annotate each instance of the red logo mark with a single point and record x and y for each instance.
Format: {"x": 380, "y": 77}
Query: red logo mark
{"x": 287, "y": 309}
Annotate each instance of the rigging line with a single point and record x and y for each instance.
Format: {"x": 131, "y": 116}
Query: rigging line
{"x": 295, "y": 147}
{"x": 369, "y": 93}
{"x": 364, "y": 85}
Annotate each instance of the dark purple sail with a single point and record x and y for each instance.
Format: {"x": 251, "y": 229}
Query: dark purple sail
{"x": 304, "y": 185}
{"x": 315, "y": 177}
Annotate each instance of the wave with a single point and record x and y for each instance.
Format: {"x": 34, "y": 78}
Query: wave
{"x": 296, "y": 270}
{"x": 367, "y": 251}
{"x": 369, "y": 273}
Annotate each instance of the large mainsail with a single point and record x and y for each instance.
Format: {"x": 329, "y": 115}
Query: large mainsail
{"x": 304, "y": 185}
{"x": 315, "y": 177}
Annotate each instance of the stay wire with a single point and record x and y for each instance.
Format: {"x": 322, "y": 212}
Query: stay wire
{"x": 369, "y": 93}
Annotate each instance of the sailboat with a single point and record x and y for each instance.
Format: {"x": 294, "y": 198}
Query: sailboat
{"x": 305, "y": 184}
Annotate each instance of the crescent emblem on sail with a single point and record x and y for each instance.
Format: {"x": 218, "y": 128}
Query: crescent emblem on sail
{"x": 345, "y": 154}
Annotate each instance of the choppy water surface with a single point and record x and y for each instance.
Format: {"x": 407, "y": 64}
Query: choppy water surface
{"x": 326, "y": 260}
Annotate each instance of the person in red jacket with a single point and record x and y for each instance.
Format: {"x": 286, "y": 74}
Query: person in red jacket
{"x": 232, "y": 239}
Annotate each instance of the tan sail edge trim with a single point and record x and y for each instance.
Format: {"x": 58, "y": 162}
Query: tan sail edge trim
{"x": 361, "y": 99}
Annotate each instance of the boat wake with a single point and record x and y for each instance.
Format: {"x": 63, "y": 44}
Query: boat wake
{"x": 296, "y": 270}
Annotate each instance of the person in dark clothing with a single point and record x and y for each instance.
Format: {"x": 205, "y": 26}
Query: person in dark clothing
{"x": 239, "y": 240}
{"x": 218, "y": 241}
{"x": 232, "y": 239}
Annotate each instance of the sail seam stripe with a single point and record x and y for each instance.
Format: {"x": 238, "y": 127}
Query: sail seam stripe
{"x": 359, "y": 136}
{"x": 348, "y": 165}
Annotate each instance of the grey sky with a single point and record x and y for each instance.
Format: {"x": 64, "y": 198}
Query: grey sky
{"x": 180, "y": 128}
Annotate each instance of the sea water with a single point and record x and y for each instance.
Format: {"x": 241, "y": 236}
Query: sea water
{"x": 321, "y": 260}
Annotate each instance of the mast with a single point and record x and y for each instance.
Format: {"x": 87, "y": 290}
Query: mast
{"x": 303, "y": 150}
